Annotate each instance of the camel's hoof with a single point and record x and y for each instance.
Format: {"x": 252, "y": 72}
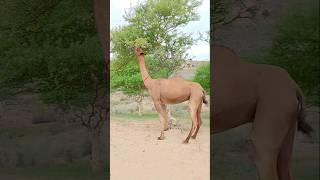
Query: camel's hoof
{"x": 185, "y": 142}
{"x": 161, "y": 138}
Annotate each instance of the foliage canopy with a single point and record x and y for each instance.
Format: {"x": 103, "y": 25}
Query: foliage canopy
{"x": 202, "y": 76}
{"x": 296, "y": 49}
{"x": 57, "y": 51}
{"x": 155, "y": 26}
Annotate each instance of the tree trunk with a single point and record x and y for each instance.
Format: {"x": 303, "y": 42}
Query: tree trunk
{"x": 96, "y": 159}
{"x": 140, "y": 108}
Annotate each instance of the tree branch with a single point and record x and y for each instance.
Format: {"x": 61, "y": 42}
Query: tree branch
{"x": 222, "y": 10}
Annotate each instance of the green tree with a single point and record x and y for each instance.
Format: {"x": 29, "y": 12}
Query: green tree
{"x": 154, "y": 25}
{"x": 296, "y": 49}
{"x": 202, "y": 76}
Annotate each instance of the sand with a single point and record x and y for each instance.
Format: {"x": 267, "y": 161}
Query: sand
{"x": 136, "y": 154}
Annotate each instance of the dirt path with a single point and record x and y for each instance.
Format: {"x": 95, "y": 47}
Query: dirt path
{"x": 137, "y": 155}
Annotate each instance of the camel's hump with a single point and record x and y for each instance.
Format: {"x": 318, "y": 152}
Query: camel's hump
{"x": 222, "y": 53}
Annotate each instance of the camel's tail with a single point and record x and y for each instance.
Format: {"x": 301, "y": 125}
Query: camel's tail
{"x": 204, "y": 98}
{"x": 303, "y": 126}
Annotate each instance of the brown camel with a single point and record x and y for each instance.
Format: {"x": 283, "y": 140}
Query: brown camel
{"x": 267, "y": 97}
{"x": 172, "y": 91}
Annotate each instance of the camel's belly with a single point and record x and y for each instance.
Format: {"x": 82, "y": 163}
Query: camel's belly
{"x": 228, "y": 114}
{"x": 174, "y": 95}
{"x": 173, "y": 100}
{"x": 228, "y": 121}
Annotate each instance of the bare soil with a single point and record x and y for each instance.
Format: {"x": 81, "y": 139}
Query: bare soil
{"x": 136, "y": 153}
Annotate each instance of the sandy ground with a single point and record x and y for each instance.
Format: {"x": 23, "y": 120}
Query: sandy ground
{"x": 137, "y": 155}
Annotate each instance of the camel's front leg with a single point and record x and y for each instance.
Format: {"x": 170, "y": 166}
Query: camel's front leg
{"x": 163, "y": 118}
{"x": 193, "y": 113}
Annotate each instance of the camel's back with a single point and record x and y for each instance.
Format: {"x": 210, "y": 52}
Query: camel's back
{"x": 174, "y": 90}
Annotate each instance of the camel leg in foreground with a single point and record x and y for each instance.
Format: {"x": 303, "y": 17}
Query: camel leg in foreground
{"x": 194, "y": 104}
{"x": 161, "y": 109}
{"x": 165, "y": 120}
{"x": 284, "y": 158}
{"x": 269, "y": 138}
{"x": 194, "y": 135}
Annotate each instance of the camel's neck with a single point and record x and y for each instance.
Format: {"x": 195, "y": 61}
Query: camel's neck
{"x": 143, "y": 71}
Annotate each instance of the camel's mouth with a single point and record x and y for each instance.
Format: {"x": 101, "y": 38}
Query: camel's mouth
{"x": 142, "y": 53}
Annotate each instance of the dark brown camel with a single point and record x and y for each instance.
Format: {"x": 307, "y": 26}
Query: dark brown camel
{"x": 267, "y": 97}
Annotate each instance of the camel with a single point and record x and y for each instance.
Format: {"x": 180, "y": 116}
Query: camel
{"x": 265, "y": 96}
{"x": 173, "y": 90}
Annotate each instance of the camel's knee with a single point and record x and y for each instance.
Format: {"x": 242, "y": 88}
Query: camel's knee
{"x": 195, "y": 126}
{"x": 199, "y": 120}
{"x": 193, "y": 115}
{"x": 192, "y": 109}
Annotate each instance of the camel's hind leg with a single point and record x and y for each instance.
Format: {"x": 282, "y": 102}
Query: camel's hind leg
{"x": 264, "y": 156}
{"x": 285, "y": 155}
{"x": 194, "y": 135}
{"x": 193, "y": 107}
{"x": 269, "y": 131}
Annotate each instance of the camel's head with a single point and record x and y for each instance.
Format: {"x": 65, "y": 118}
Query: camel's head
{"x": 138, "y": 51}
